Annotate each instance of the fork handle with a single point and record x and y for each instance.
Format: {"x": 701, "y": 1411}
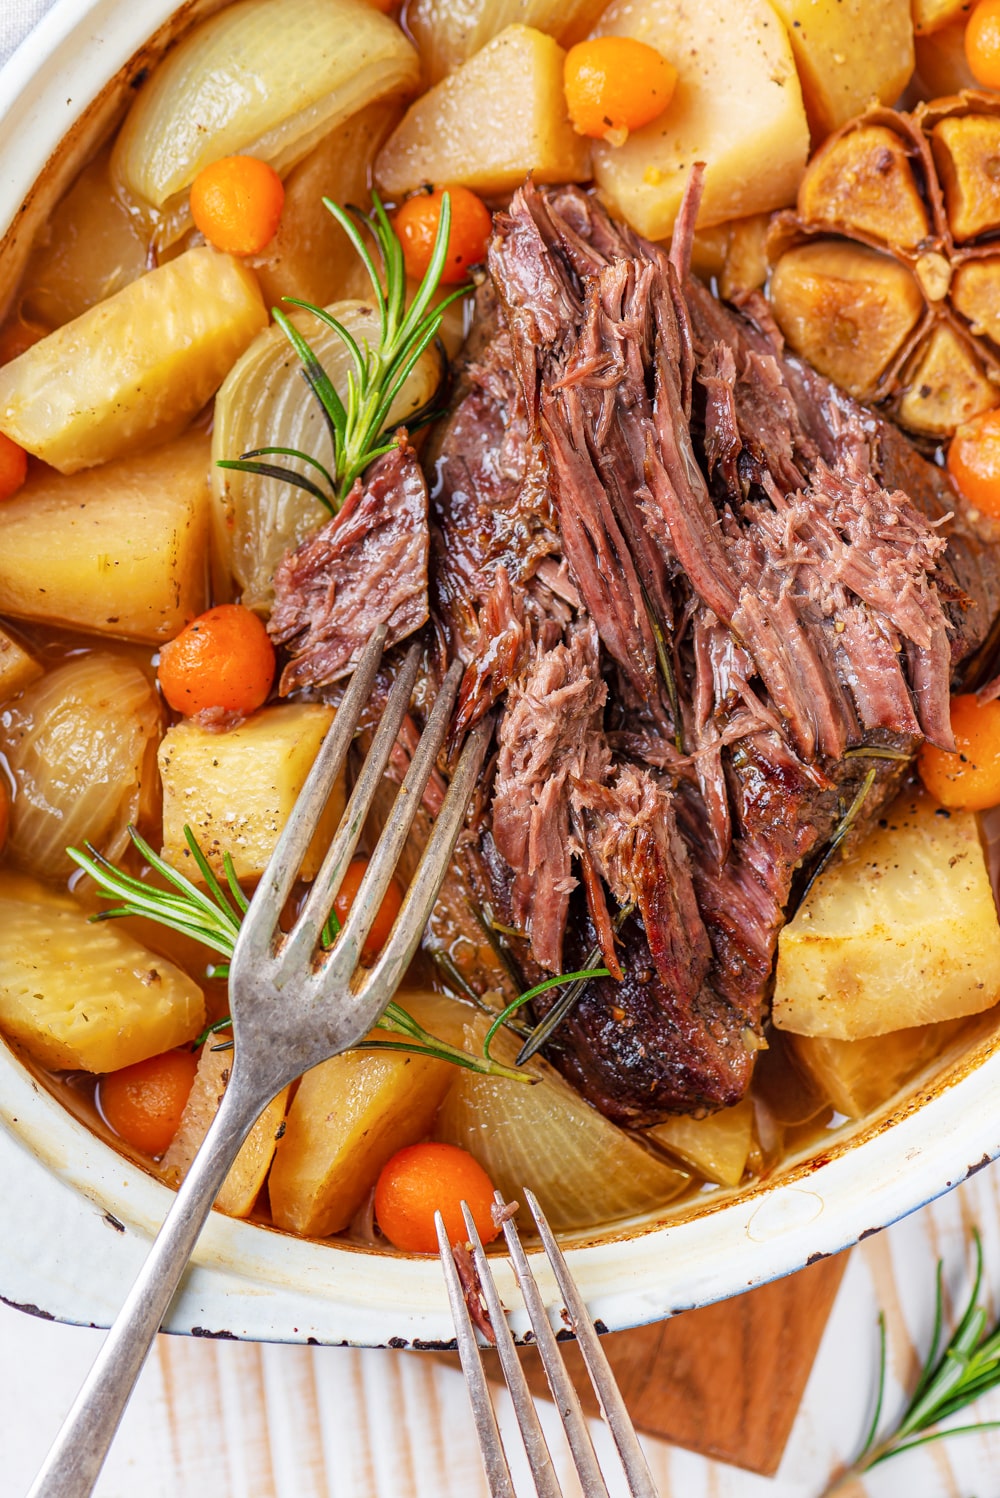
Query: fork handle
{"x": 77, "y": 1454}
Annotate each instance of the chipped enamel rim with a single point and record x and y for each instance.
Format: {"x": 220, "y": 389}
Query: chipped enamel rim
{"x": 81, "y": 1217}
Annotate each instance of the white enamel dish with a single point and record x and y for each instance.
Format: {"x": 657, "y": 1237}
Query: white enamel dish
{"x": 79, "y": 1217}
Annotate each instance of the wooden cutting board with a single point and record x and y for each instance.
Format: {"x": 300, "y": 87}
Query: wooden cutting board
{"x": 725, "y": 1381}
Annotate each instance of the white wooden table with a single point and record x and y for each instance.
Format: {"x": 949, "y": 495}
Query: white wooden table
{"x": 236, "y": 1420}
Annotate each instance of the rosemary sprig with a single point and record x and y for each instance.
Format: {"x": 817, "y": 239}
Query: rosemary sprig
{"x": 578, "y": 979}
{"x": 841, "y": 830}
{"x": 968, "y": 1367}
{"x": 212, "y": 917}
{"x": 358, "y": 425}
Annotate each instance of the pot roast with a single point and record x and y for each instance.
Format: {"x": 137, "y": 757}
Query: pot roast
{"x": 714, "y": 606}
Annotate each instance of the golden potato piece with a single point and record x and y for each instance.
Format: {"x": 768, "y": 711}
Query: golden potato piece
{"x": 500, "y": 116}
{"x": 945, "y": 387}
{"x": 845, "y": 308}
{"x": 84, "y": 996}
{"x": 18, "y": 667}
{"x": 118, "y": 550}
{"x": 737, "y": 107}
{"x": 931, "y": 15}
{"x": 248, "y": 1171}
{"x": 848, "y": 52}
{"x": 903, "y": 933}
{"x": 858, "y": 1076}
{"x": 349, "y": 1115}
{"x": 967, "y": 155}
{"x": 863, "y": 181}
{"x": 135, "y": 369}
{"x": 236, "y": 789}
{"x": 716, "y": 1147}
{"x": 975, "y": 293}
{"x": 449, "y": 32}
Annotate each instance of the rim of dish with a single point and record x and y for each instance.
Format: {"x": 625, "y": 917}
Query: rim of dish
{"x": 90, "y": 1212}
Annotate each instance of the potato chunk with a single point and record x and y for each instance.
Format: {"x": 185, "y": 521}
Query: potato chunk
{"x": 18, "y": 667}
{"x": 858, "y": 1076}
{"x": 449, "y": 32}
{"x": 79, "y": 995}
{"x": 848, "y": 52}
{"x": 236, "y": 789}
{"x": 348, "y": 1117}
{"x": 119, "y": 550}
{"x": 486, "y": 126}
{"x": 904, "y": 933}
{"x": 737, "y": 107}
{"x": 133, "y": 370}
{"x": 241, "y": 1187}
{"x": 716, "y": 1147}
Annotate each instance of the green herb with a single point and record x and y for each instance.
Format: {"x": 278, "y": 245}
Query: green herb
{"x": 212, "y": 916}
{"x": 582, "y": 977}
{"x": 968, "y": 1367}
{"x": 843, "y": 827}
{"x": 567, "y": 1001}
{"x": 358, "y": 426}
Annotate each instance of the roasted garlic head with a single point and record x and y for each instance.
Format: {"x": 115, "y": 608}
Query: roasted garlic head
{"x": 887, "y": 275}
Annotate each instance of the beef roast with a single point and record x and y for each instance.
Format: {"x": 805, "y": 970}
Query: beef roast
{"x": 366, "y": 566}
{"x": 773, "y": 590}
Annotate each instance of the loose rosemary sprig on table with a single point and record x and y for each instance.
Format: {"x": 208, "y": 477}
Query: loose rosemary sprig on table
{"x": 967, "y": 1367}
{"x": 212, "y": 917}
{"x": 358, "y": 427}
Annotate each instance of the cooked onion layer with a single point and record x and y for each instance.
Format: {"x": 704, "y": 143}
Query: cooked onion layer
{"x": 81, "y": 746}
{"x": 583, "y": 1169}
{"x": 266, "y": 78}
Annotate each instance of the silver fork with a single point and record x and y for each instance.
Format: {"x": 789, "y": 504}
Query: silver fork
{"x": 293, "y": 1005}
{"x": 637, "y": 1473}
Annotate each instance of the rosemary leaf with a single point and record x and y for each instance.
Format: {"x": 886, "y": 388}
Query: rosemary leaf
{"x": 359, "y": 421}
{"x": 213, "y": 916}
{"x": 583, "y": 976}
{"x": 279, "y": 471}
{"x": 950, "y": 1381}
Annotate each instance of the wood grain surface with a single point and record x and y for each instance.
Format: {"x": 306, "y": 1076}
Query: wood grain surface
{"x": 220, "y": 1419}
{"x": 725, "y": 1381}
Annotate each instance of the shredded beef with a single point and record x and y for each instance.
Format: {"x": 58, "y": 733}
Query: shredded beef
{"x": 550, "y": 736}
{"x": 367, "y": 566}
{"x": 637, "y": 488}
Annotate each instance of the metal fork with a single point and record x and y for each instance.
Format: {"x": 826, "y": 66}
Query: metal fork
{"x": 637, "y": 1473}
{"x": 293, "y": 1005}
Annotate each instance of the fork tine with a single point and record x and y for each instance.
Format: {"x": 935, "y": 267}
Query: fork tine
{"x": 384, "y": 859}
{"x": 537, "y": 1451}
{"x": 418, "y": 901}
{"x": 566, "y": 1398}
{"x": 637, "y": 1471}
{"x": 497, "y": 1471}
{"x": 319, "y": 901}
{"x": 260, "y": 922}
